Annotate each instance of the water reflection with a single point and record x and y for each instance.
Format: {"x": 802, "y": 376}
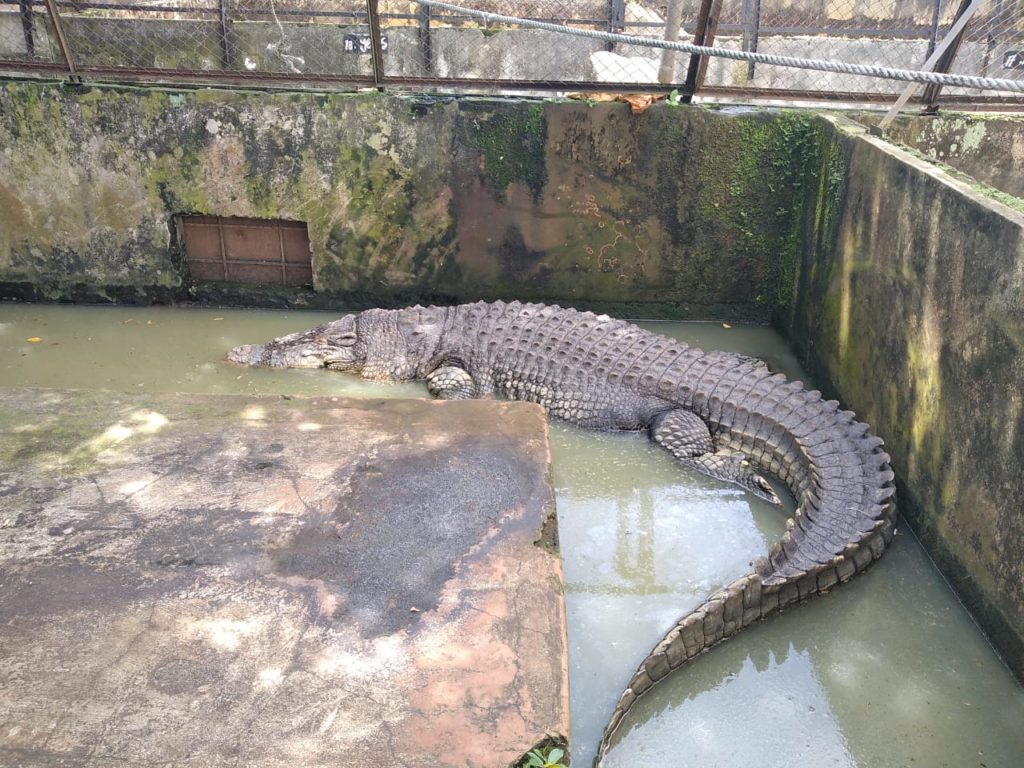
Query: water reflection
{"x": 647, "y": 541}
{"x": 782, "y": 698}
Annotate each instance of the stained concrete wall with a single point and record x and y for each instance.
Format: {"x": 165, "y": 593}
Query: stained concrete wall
{"x": 987, "y": 147}
{"x": 910, "y": 307}
{"x": 680, "y": 211}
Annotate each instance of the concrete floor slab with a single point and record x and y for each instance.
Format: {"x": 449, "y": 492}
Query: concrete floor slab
{"x": 233, "y": 581}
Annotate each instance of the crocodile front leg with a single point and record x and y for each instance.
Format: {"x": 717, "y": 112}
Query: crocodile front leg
{"x": 450, "y": 382}
{"x": 685, "y": 435}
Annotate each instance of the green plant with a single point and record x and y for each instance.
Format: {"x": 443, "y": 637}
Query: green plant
{"x": 537, "y": 759}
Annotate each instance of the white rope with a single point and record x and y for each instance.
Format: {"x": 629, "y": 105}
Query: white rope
{"x": 863, "y": 70}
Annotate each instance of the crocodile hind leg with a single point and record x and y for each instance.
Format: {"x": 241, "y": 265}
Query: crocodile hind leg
{"x": 450, "y": 382}
{"x": 685, "y": 435}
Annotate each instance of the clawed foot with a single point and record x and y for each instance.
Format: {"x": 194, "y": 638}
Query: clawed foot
{"x": 734, "y": 467}
{"x": 685, "y": 435}
{"x": 756, "y": 484}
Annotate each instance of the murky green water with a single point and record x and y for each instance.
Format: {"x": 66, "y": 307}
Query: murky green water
{"x": 886, "y": 671}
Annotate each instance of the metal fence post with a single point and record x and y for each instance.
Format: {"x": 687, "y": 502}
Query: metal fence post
{"x": 25, "y": 11}
{"x": 707, "y": 26}
{"x": 755, "y": 35}
{"x": 616, "y": 20}
{"x": 423, "y": 16}
{"x": 224, "y": 33}
{"x": 945, "y": 50}
{"x": 62, "y": 41}
{"x": 375, "y": 44}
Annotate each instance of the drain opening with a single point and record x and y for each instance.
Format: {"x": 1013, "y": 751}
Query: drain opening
{"x": 240, "y": 250}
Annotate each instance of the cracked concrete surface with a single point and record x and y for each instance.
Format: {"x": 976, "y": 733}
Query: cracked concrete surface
{"x": 237, "y": 581}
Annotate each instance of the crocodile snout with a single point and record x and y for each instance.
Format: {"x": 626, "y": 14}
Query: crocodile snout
{"x": 248, "y": 354}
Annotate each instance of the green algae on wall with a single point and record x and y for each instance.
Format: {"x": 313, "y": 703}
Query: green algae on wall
{"x": 786, "y": 161}
{"x": 629, "y": 212}
{"x": 679, "y": 212}
{"x": 134, "y": 159}
{"x": 510, "y": 138}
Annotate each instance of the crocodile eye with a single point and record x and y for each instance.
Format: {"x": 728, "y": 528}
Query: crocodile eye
{"x": 345, "y": 339}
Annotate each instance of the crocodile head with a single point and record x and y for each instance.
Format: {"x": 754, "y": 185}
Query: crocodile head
{"x": 379, "y": 344}
{"x": 335, "y": 345}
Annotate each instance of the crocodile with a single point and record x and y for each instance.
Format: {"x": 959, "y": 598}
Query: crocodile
{"x": 722, "y": 414}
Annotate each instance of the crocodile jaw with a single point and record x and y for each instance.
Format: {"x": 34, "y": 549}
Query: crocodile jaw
{"x": 250, "y": 354}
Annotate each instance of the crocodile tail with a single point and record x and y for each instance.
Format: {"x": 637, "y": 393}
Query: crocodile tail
{"x": 787, "y": 576}
{"x": 722, "y": 615}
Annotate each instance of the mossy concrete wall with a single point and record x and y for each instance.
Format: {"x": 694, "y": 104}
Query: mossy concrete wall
{"x": 910, "y": 308}
{"x": 680, "y": 211}
{"x": 987, "y": 147}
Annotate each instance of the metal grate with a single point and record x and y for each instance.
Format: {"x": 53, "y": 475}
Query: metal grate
{"x": 242, "y": 250}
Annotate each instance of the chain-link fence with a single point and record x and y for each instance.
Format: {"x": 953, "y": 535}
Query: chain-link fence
{"x": 412, "y": 43}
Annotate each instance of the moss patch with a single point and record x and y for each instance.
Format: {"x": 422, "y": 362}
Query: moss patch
{"x": 511, "y": 141}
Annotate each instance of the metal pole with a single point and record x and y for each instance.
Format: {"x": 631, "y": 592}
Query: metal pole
{"x": 755, "y": 36}
{"x": 616, "y": 20}
{"x": 942, "y": 57}
{"x": 224, "y": 34}
{"x": 673, "y": 21}
{"x": 375, "y": 44}
{"x": 25, "y": 10}
{"x": 709, "y": 40}
{"x": 707, "y": 27}
{"x": 423, "y": 16}
{"x": 62, "y": 41}
{"x": 933, "y": 33}
{"x": 949, "y": 51}
{"x": 698, "y": 39}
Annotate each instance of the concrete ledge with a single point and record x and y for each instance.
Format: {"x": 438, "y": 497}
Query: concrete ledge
{"x": 225, "y": 580}
{"x": 986, "y": 147}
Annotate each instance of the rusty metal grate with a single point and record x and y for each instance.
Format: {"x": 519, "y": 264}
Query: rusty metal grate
{"x": 242, "y": 250}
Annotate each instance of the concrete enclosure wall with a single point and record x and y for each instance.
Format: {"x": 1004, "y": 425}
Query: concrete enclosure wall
{"x": 910, "y": 308}
{"x": 678, "y": 211}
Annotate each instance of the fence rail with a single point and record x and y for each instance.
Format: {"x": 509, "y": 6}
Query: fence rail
{"x": 406, "y": 44}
